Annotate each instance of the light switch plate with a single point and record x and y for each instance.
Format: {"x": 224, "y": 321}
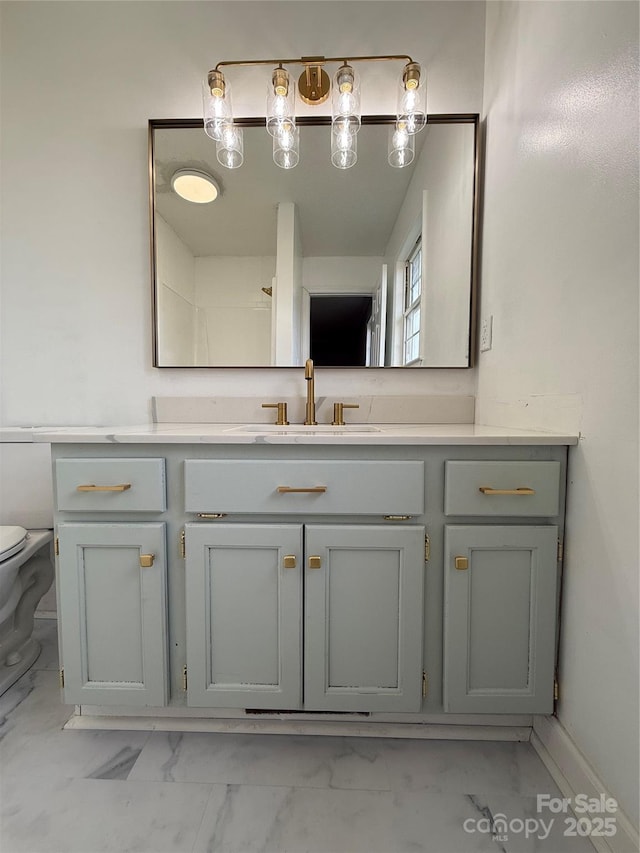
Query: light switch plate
{"x": 486, "y": 333}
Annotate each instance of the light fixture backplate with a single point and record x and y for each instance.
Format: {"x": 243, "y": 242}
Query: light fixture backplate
{"x": 314, "y": 85}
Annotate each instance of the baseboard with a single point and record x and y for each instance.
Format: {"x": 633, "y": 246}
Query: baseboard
{"x": 573, "y": 774}
{"x": 308, "y": 727}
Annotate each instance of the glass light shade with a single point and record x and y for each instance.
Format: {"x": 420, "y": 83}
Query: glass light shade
{"x": 286, "y": 146}
{"x": 281, "y": 101}
{"x": 230, "y": 148}
{"x": 344, "y": 147}
{"x": 195, "y": 186}
{"x": 345, "y": 99}
{"x": 412, "y": 98}
{"x": 216, "y": 109}
{"x": 402, "y": 146}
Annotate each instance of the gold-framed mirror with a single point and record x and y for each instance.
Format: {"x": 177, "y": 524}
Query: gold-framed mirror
{"x": 371, "y": 266}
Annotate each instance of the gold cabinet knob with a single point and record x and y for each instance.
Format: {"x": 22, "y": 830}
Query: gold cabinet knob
{"x": 282, "y": 412}
{"x": 146, "y": 560}
{"x": 289, "y": 562}
{"x": 461, "y": 563}
{"x": 315, "y": 562}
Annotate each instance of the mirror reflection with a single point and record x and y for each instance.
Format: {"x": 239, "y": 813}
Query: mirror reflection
{"x": 367, "y": 267}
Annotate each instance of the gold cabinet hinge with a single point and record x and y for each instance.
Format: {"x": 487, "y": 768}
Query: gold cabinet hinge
{"x": 184, "y": 678}
{"x": 556, "y": 689}
{"x": 56, "y": 546}
{"x": 560, "y": 550}
{"x": 183, "y": 547}
{"x": 61, "y": 676}
{"x": 427, "y": 548}
{"x": 425, "y": 684}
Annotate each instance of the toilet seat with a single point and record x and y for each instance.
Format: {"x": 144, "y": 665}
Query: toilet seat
{"x": 12, "y": 540}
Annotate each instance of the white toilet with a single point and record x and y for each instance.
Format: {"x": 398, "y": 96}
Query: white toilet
{"x": 26, "y": 567}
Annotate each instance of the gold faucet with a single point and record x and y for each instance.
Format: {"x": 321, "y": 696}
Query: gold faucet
{"x": 310, "y": 410}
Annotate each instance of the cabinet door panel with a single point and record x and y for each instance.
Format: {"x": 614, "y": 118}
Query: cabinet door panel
{"x": 244, "y": 627}
{"x": 500, "y": 619}
{"x": 363, "y": 618}
{"x": 113, "y": 613}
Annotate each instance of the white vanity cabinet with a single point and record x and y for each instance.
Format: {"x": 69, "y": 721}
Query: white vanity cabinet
{"x": 112, "y": 582}
{"x": 313, "y": 616}
{"x": 318, "y": 617}
{"x": 501, "y": 585}
{"x": 403, "y": 582}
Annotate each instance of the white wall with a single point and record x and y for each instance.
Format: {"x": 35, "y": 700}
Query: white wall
{"x": 79, "y": 82}
{"x": 176, "y": 297}
{"x": 287, "y": 286}
{"x": 341, "y": 275}
{"x": 560, "y": 276}
{"x": 237, "y": 313}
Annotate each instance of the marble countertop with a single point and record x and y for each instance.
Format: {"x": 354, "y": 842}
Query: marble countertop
{"x": 360, "y": 434}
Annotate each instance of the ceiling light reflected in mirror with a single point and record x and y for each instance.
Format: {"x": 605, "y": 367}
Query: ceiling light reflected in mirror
{"x": 195, "y": 186}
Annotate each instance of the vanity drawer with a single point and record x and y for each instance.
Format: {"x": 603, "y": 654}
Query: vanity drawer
{"x": 353, "y": 488}
{"x": 502, "y": 488}
{"x": 111, "y": 485}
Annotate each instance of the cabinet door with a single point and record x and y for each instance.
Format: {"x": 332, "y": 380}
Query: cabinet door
{"x": 113, "y": 613}
{"x": 500, "y": 618}
{"x": 363, "y": 618}
{"x": 244, "y": 615}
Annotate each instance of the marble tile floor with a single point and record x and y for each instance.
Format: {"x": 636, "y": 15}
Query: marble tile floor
{"x": 89, "y": 792}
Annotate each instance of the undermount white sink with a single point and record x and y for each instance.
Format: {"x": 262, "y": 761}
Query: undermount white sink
{"x": 302, "y": 429}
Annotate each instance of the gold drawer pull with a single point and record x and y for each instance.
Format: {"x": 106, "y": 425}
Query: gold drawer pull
{"x": 121, "y": 487}
{"x": 308, "y": 490}
{"x": 146, "y": 560}
{"x": 487, "y": 490}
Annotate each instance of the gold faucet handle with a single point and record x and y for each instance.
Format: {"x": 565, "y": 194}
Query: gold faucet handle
{"x": 338, "y": 412}
{"x": 282, "y": 412}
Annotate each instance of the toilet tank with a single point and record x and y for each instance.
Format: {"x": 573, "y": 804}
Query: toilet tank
{"x": 26, "y": 493}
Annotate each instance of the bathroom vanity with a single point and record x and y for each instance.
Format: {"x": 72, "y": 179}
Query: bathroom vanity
{"x": 399, "y": 572}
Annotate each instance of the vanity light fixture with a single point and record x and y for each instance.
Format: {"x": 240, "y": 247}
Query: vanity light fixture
{"x": 314, "y": 87}
{"x": 195, "y": 186}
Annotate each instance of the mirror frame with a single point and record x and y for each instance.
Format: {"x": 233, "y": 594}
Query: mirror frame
{"x": 258, "y": 121}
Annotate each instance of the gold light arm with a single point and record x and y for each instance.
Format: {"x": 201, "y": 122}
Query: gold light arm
{"x": 314, "y": 60}
{"x": 314, "y": 85}
{"x": 121, "y": 487}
